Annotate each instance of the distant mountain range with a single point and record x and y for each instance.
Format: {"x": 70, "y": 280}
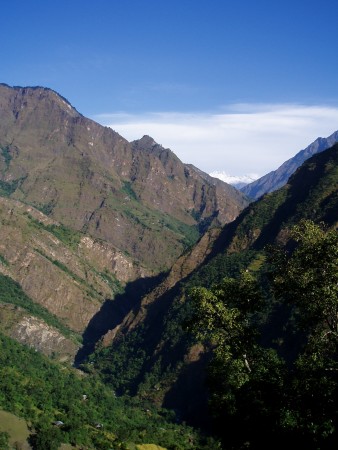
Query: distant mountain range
{"x": 279, "y": 177}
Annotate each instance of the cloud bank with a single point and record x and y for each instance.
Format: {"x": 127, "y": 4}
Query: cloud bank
{"x": 241, "y": 139}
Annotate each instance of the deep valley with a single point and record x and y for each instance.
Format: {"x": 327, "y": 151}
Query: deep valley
{"x": 145, "y": 304}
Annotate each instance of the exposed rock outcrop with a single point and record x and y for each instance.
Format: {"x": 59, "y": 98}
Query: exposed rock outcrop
{"x": 34, "y": 332}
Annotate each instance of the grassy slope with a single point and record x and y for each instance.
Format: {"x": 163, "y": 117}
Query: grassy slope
{"x": 16, "y": 428}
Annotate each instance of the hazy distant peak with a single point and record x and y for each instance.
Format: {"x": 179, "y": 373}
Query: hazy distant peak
{"x": 235, "y": 180}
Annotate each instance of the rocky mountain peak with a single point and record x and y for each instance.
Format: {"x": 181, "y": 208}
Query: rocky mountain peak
{"x": 146, "y": 142}
{"x": 136, "y": 196}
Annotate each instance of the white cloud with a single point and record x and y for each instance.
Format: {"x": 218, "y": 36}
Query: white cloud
{"x": 242, "y": 139}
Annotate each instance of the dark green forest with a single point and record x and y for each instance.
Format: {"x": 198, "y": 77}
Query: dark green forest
{"x": 92, "y": 416}
{"x": 271, "y": 386}
{"x": 283, "y": 391}
{"x": 270, "y": 329}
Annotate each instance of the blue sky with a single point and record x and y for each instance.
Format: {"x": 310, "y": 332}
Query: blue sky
{"x": 232, "y": 86}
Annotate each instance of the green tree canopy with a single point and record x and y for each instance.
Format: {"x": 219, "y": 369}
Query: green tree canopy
{"x": 308, "y": 278}
{"x": 245, "y": 379}
{"x": 256, "y": 397}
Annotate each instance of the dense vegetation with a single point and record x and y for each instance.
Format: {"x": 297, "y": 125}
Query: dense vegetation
{"x": 264, "y": 391}
{"x": 272, "y": 326}
{"x": 130, "y": 365}
{"x": 278, "y": 339}
{"x": 92, "y": 416}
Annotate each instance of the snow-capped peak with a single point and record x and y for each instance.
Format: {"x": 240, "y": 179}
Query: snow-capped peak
{"x": 235, "y": 180}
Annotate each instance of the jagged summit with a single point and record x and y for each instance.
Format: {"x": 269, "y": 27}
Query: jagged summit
{"x": 146, "y": 142}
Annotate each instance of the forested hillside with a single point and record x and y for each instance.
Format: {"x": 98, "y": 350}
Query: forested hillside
{"x": 164, "y": 348}
{"x": 63, "y": 406}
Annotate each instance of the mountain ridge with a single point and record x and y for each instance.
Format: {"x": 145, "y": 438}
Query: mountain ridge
{"x": 279, "y": 177}
{"x": 110, "y": 187}
{"x": 102, "y": 241}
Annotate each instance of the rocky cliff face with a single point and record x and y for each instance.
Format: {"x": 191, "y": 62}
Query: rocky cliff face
{"x": 183, "y": 187}
{"x": 68, "y": 273}
{"x": 29, "y": 330}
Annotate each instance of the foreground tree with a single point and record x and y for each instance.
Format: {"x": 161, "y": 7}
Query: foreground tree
{"x": 245, "y": 380}
{"x": 257, "y": 398}
{"x": 307, "y": 279}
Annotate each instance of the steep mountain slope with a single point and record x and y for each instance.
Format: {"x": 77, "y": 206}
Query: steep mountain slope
{"x": 278, "y": 178}
{"x": 138, "y": 197}
{"x": 83, "y": 213}
{"x": 159, "y": 359}
{"x": 62, "y": 277}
